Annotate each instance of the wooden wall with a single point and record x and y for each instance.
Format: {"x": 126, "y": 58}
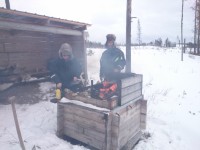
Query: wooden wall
{"x": 30, "y": 51}
{"x": 117, "y": 129}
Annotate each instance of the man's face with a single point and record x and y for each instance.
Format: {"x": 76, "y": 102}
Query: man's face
{"x": 65, "y": 57}
{"x": 110, "y": 44}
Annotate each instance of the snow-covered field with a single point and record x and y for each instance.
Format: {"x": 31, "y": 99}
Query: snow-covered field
{"x": 170, "y": 86}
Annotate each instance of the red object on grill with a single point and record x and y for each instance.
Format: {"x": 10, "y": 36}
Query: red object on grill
{"x": 108, "y": 90}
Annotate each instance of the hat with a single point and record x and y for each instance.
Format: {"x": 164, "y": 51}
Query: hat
{"x": 65, "y": 49}
{"x": 110, "y": 37}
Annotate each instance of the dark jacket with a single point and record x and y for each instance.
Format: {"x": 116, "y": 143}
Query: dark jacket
{"x": 111, "y": 59}
{"x": 64, "y": 71}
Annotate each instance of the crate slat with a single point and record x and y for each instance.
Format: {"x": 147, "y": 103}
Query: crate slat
{"x": 83, "y": 138}
{"x": 130, "y": 89}
{"x": 131, "y": 80}
{"x": 131, "y": 97}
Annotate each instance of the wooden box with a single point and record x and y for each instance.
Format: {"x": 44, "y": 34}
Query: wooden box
{"x": 100, "y": 128}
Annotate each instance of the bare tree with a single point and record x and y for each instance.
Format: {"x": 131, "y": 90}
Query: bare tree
{"x": 139, "y": 33}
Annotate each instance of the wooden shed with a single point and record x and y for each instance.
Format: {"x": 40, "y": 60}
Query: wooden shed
{"x": 28, "y": 41}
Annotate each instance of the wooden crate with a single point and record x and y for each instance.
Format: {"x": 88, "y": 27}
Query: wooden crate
{"x": 103, "y": 129}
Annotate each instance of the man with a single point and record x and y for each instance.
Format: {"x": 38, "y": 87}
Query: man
{"x": 112, "y": 60}
{"x": 66, "y": 69}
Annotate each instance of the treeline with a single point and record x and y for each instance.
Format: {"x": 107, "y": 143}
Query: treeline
{"x": 157, "y": 42}
{"x": 90, "y": 44}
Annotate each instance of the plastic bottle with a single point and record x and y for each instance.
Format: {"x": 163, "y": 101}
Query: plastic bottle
{"x": 58, "y": 94}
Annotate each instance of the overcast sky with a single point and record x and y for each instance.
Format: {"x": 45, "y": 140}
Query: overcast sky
{"x": 158, "y": 18}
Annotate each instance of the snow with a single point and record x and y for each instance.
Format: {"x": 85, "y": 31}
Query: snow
{"x": 170, "y": 86}
{"x": 65, "y": 100}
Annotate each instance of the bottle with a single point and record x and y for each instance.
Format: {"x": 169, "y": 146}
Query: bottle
{"x": 58, "y": 94}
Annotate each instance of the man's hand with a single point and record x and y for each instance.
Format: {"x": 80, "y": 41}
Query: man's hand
{"x": 59, "y": 85}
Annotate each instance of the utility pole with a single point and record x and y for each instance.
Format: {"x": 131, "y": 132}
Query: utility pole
{"x": 7, "y": 4}
{"x": 182, "y": 30}
{"x": 128, "y": 36}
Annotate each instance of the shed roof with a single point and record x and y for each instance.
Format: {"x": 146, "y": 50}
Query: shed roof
{"x": 13, "y": 19}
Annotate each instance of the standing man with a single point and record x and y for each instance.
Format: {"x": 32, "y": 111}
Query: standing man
{"x": 112, "y": 60}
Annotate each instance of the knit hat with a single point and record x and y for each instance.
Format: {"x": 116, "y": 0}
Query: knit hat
{"x": 65, "y": 49}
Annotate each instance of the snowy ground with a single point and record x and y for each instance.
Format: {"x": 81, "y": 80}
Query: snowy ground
{"x": 171, "y": 87}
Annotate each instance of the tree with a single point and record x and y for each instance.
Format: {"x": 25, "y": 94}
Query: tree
{"x": 178, "y": 41}
{"x": 158, "y": 42}
{"x": 139, "y": 33}
{"x": 167, "y": 43}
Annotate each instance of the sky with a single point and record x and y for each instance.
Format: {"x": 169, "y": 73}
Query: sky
{"x": 158, "y": 18}
{"x": 171, "y": 89}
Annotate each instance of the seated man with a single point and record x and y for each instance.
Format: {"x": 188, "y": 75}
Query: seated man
{"x": 66, "y": 69}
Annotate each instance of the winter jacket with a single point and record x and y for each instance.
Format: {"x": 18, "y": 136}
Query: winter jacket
{"x": 64, "y": 71}
{"x": 111, "y": 59}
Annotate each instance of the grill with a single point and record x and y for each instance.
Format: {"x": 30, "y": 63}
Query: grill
{"x": 129, "y": 88}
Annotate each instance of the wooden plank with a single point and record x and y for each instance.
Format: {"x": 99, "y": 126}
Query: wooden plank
{"x": 127, "y": 129}
{"x": 26, "y": 38}
{"x": 127, "y": 117}
{"x": 122, "y": 109}
{"x": 2, "y": 48}
{"x": 60, "y": 120}
{"x": 120, "y": 140}
{"x": 83, "y": 138}
{"x": 127, "y": 133}
{"x": 143, "y": 121}
{"x": 26, "y": 47}
{"x": 118, "y": 130}
{"x": 25, "y": 60}
{"x": 130, "y": 97}
{"x": 143, "y": 113}
{"x": 132, "y": 142}
{"x": 37, "y": 28}
{"x": 4, "y": 59}
{"x": 115, "y": 137}
{"x": 109, "y": 104}
{"x": 125, "y": 121}
{"x": 86, "y": 112}
{"x": 131, "y": 89}
{"x": 143, "y": 106}
{"x": 124, "y": 115}
{"x": 85, "y": 130}
{"x": 85, "y": 122}
{"x": 131, "y": 80}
